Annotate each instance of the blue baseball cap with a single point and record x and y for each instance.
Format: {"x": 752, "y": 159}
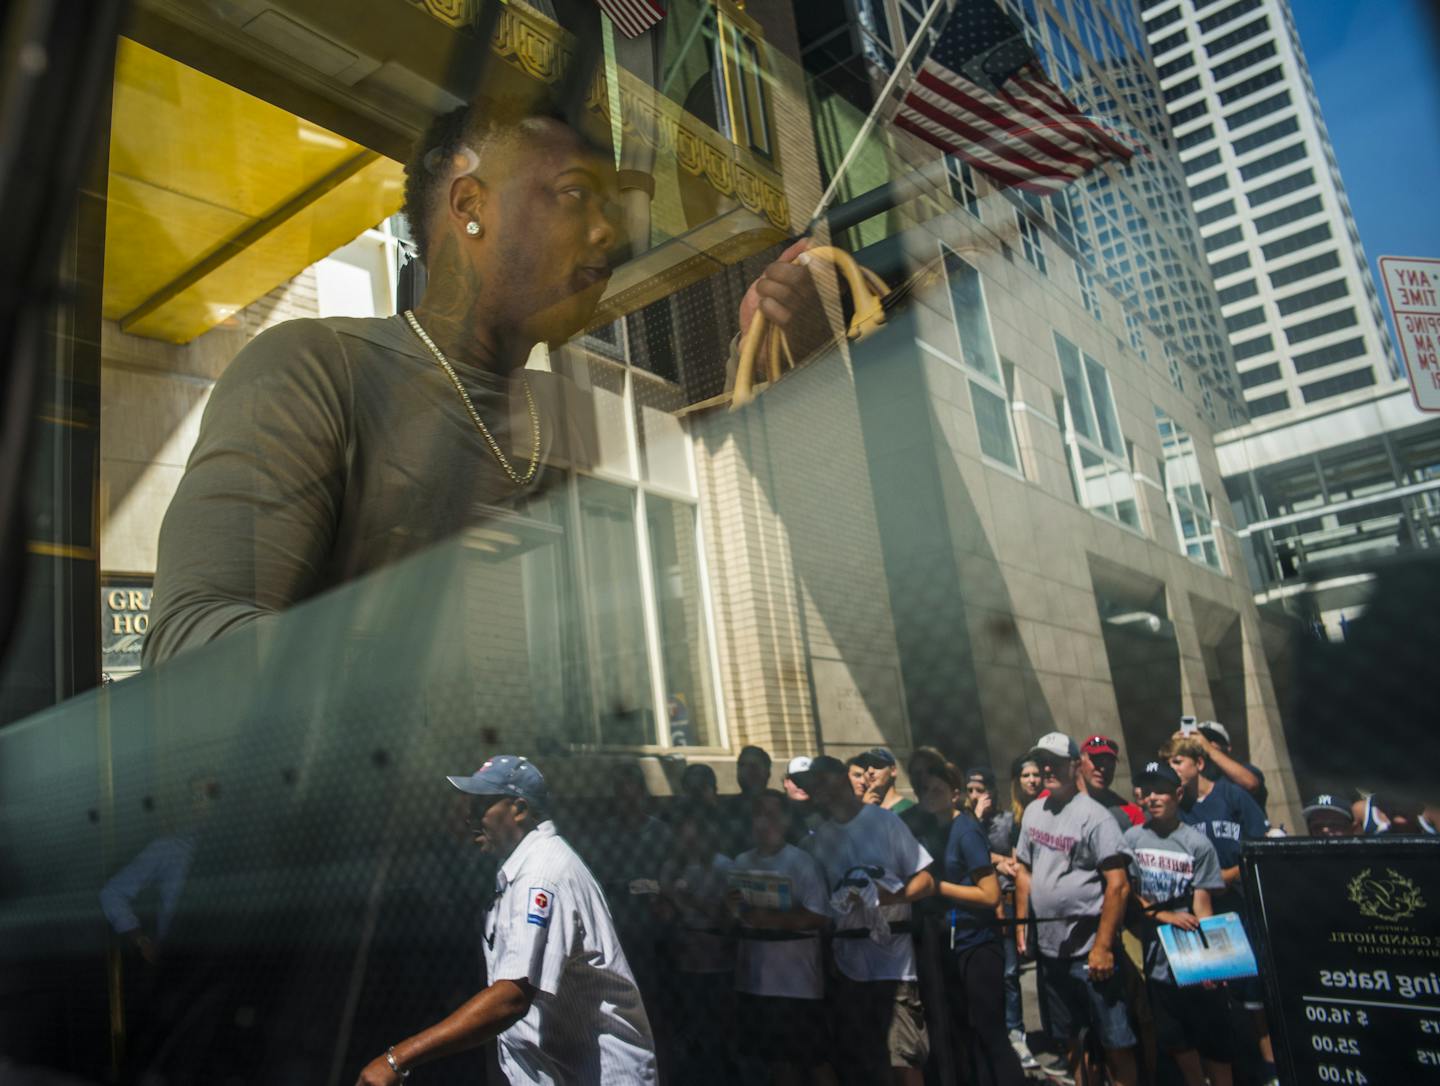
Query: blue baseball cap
{"x": 506, "y": 775}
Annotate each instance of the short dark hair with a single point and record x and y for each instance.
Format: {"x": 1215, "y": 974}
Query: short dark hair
{"x": 701, "y": 773}
{"x": 750, "y": 748}
{"x": 435, "y": 156}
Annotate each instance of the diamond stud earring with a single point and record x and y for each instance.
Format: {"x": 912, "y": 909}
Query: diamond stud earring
{"x": 472, "y": 228}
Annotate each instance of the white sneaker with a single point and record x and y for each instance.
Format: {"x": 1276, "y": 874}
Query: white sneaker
{"x": 1027, "y": 1059}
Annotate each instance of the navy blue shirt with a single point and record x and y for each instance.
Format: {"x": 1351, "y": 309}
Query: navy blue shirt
{"x": 1261, "y": 795}
{"x": 1227, "y": 816}
{"x": 967, "y": 850}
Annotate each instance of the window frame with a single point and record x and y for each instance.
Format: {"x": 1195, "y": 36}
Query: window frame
{"x": 1078, "y": 443}
{"x": 992, "y": 383}
{"x": 1183, "y": 446}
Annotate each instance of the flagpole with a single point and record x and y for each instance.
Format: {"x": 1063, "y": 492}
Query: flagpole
{"x": 874, "y": 116}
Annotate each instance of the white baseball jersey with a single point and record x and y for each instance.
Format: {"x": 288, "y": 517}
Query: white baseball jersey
{"x": 550, "y": 926}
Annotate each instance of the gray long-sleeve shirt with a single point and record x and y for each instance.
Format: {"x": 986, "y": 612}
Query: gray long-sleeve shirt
{"x": 330, "y": 448}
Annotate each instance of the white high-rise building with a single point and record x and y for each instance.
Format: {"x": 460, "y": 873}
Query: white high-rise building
{"x": 1299, "y": 301}
{"x": 1336, "y": 469}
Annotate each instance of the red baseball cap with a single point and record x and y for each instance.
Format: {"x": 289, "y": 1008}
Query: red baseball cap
{"x": 1101, "y": 744}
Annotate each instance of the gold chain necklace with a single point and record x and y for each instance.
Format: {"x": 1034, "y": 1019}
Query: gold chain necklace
{"x": 518, "y": 480}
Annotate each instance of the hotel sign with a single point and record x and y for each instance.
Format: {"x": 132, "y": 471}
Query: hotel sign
{"x": 1347, "y": 934}
{"x": 124, "y": 621}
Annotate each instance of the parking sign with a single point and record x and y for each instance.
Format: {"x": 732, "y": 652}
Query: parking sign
{"x": 1413, "y": 286}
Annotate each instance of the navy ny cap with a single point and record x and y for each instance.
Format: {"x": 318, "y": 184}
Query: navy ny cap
{"x": 1158, "y": 771}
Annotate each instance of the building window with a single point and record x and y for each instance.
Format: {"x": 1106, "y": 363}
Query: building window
{"x": 1230, "y": 265}
{"x": 1304, "y": 269}
{"x": 1293, "y": 243}
{"x": 1201, "y": 162}
{"x": 1032, "y": 244}
{"x": 1286, "y": 215}
{"x": 1228, "y": 14}
{"x": 963, "y": 185}
{"x": 1137, "y": 336}
{"x": 1235, "y": 37}
{"x": 1335, "y": 386}
{"x": 1249, "y": 86}
{"x": 1246, "y": 288}
{"x": 1260, "y": 375}
{"x": 1094, "y": 444}
{"x": 1089, "y": 293}
{"x": 1266, "y": 163}
{"x": 619, "y": 599}
{"x": 1262, "y": 108}
{"x": 1328, "y": 356}
{"x": 1306, "y": 299}
{"x": 1222, "y": 238}
{"x": 1284, "y": 187}
{"x": 989, "y": 397}
{"x": 1224, "y": 209}
{"x": 1269, "y": 134}
{"x": 1319, "y": 326}
{"x": 1251, "y": 347}
{"x": 1238, "y": 64}
{"x": 1190, "y": 505}
{"x": 1267, "y": 405}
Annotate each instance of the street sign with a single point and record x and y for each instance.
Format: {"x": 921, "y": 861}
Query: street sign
{"x": 1347, "y": 932}
{"x": 1412, "y": 284}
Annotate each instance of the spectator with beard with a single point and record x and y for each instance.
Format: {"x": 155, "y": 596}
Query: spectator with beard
{"x": 1071, "y": 875}
{"x": 1099, "y": 755}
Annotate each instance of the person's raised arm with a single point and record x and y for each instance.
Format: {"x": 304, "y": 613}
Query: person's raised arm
{"x": 253, "y": 519}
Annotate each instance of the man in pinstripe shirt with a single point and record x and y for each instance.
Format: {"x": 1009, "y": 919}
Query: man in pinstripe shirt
{"x": 562, "y": 1002}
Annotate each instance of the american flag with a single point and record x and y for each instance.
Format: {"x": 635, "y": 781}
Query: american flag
{"x": 633, "y": 17}
{"x": 980, "y": 94}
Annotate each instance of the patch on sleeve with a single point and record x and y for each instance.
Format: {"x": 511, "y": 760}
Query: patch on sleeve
{"x": 538, "y": 906}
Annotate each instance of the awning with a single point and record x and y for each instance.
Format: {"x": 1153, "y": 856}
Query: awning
{"x": 217, "y": 197}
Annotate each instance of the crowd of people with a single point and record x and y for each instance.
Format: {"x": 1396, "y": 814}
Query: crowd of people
{"x": 836, "y": 930}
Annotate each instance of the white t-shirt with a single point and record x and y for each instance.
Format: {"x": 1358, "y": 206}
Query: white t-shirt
{"x": 788, "y": 967}
{"x": 550, "y": 926}
{"x": 876, "y": 841}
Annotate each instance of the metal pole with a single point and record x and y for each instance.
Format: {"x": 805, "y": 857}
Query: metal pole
{"x": 874, "y": 116}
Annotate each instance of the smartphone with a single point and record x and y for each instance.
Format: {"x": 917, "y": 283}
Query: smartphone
{"x": 1188, "y": 726}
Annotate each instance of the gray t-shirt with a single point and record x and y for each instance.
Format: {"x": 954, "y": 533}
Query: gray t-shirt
{"x": 1064, "y": 850}
{"x": 330, "y": 448}
{"x": 1165, "y": 867}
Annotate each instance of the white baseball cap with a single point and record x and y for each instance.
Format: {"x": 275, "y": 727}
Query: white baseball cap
{"x": 1055, "y": 744}
{"x": 798, "y": 765}
{"x": 1214, "y": 727}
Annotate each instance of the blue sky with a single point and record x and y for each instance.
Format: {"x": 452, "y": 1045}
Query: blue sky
{"x": 1376, "y": 67}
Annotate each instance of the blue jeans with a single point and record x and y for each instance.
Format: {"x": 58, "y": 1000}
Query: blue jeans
{"x": 1014, "y": 1011}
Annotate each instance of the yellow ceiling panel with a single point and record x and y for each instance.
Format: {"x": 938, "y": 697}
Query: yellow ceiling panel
{"x": 252, "y": 269}
{"x": 151, "y": 238}
{"x": 217, "y": 197}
